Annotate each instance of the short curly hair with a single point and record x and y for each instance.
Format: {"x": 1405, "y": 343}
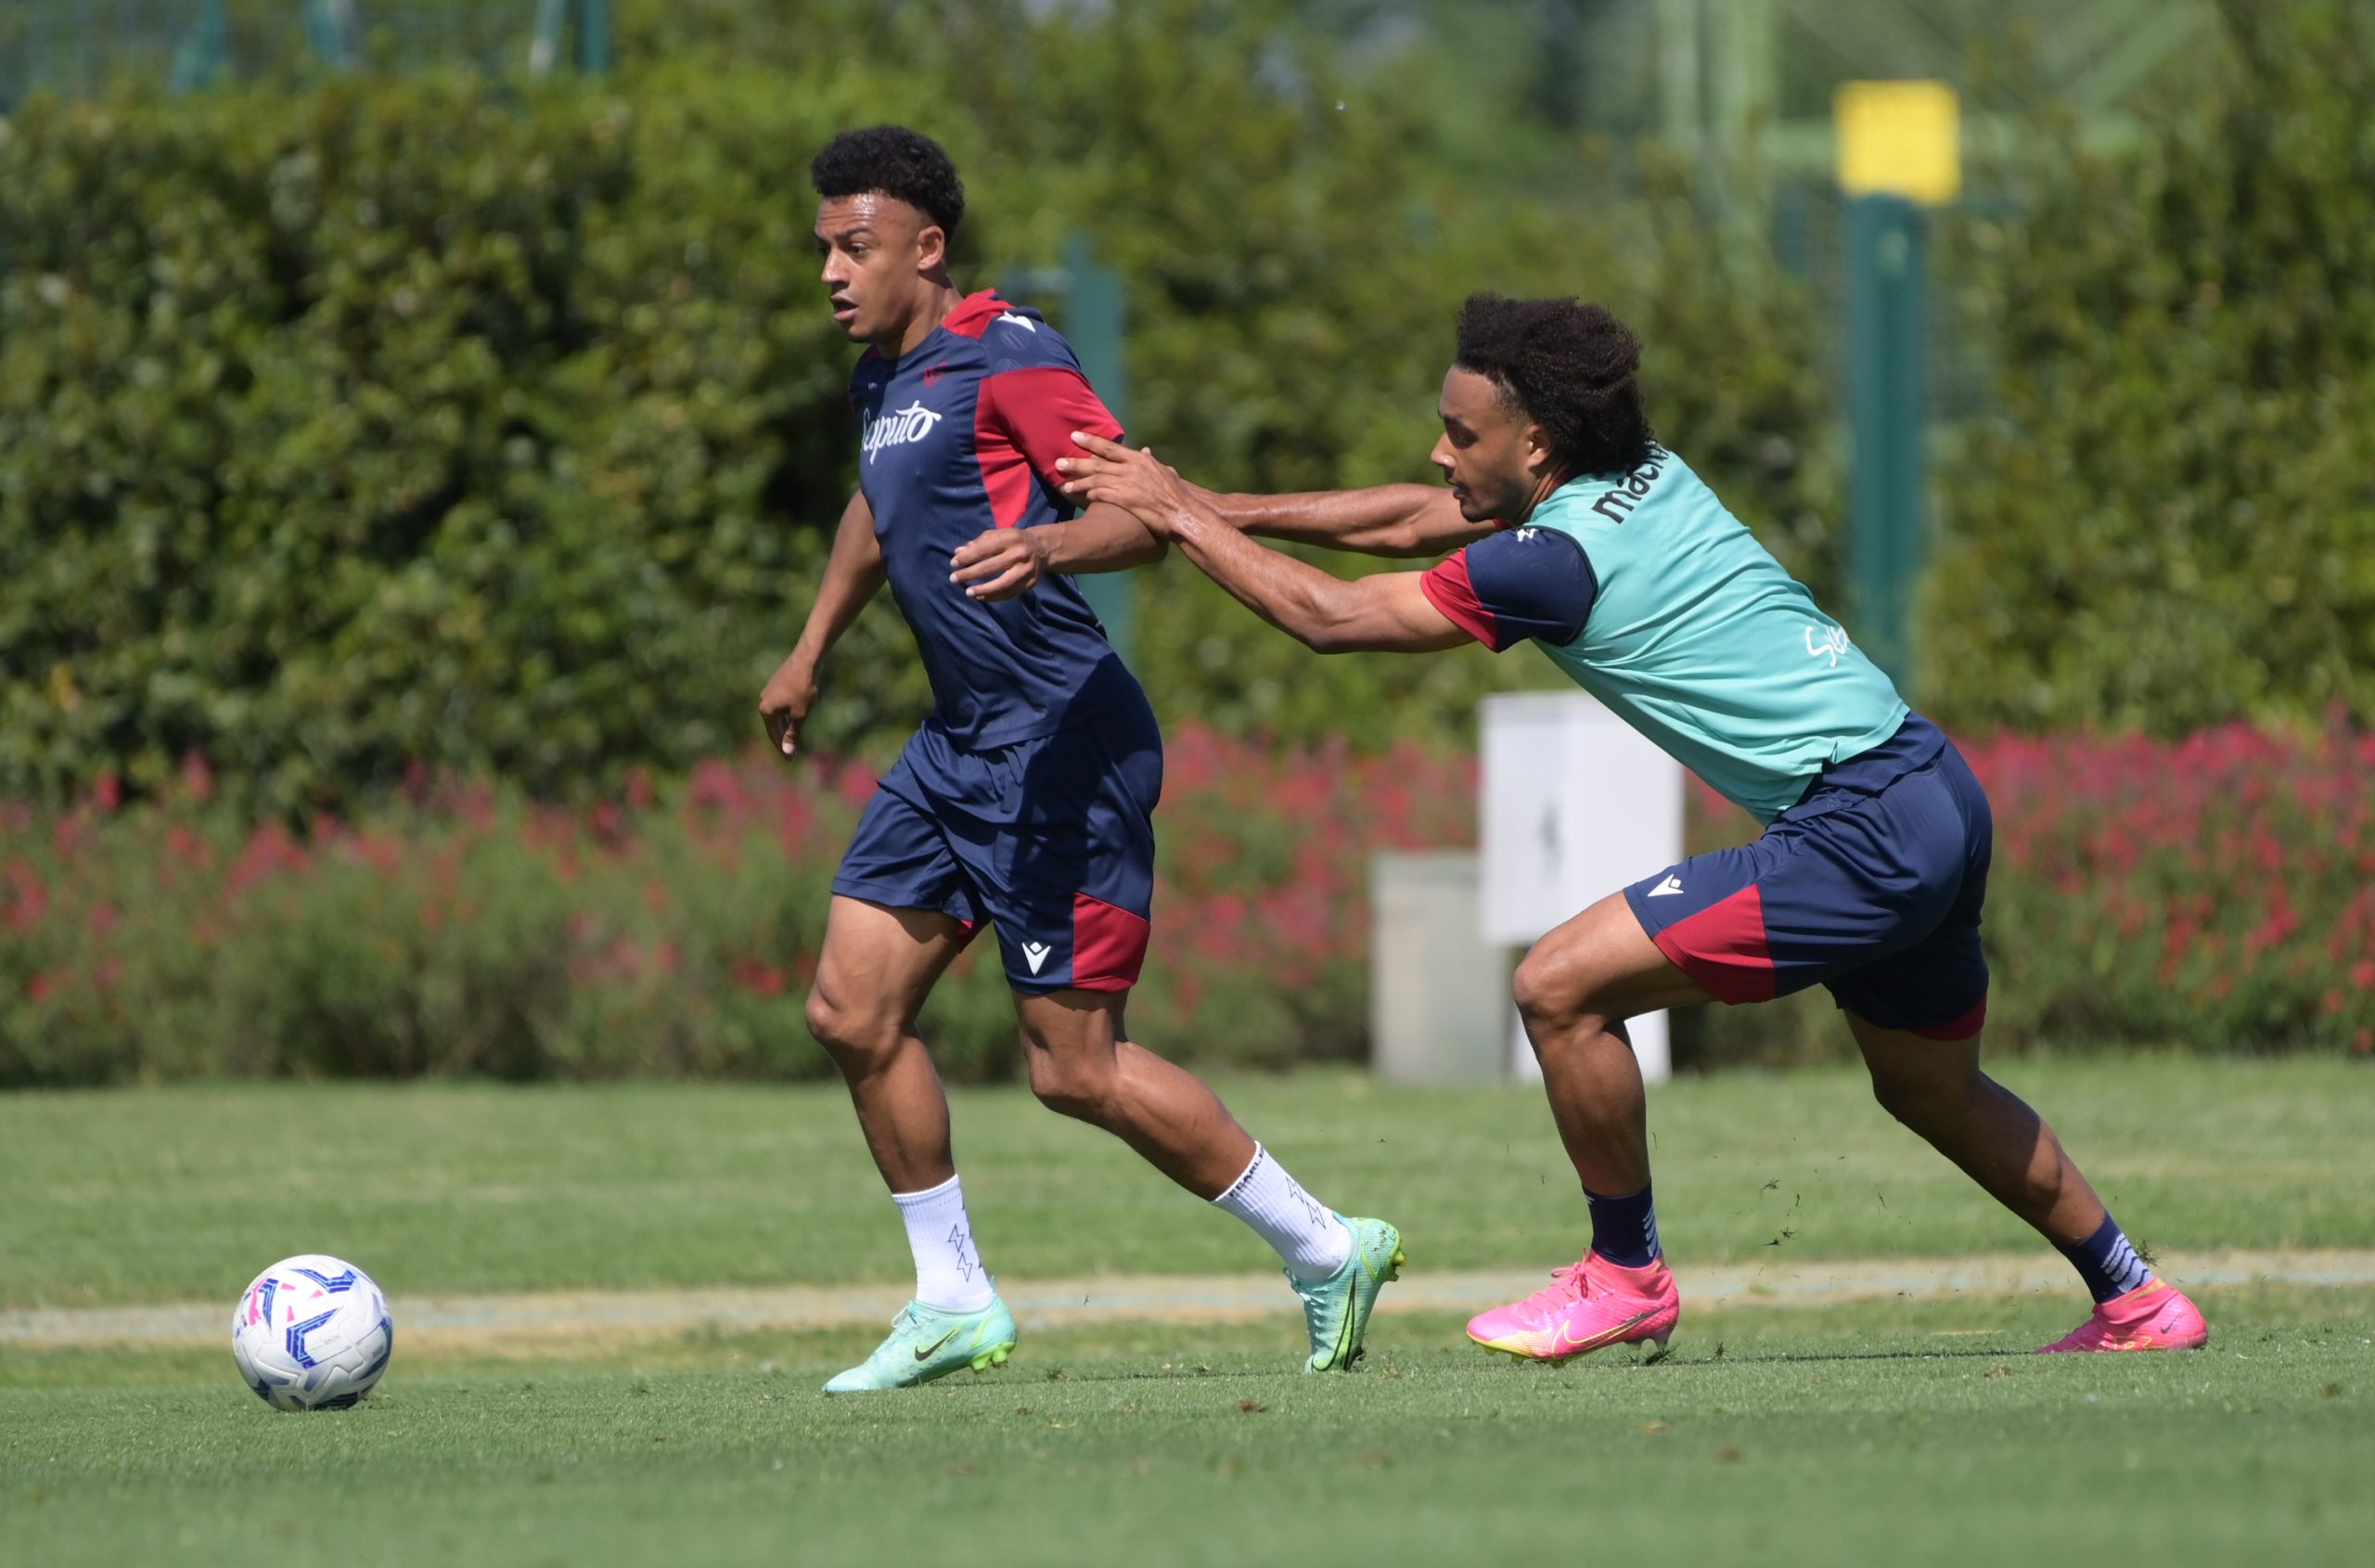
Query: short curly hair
{"x": 1567, "y": 368}
{"x": 895, "y": 161}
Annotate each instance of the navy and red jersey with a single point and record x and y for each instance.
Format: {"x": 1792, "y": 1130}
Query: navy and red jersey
{"x": 1518, "y": 584}
{"x": 961, "y": 435}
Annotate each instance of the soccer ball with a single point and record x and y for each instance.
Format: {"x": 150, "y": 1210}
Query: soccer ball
{"x": 312, "y": 1333}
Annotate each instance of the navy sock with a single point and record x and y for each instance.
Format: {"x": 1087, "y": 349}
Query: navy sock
{"x": 1624, "y": 1230}
{"x": 2107, "y": 1262}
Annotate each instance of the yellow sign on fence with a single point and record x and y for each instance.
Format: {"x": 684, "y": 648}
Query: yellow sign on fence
{"x": 1899, "y": 138}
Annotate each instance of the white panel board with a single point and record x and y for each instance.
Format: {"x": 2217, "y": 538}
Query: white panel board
{"x": 1576, "y": 804}
{"x": 1439, "y": 994}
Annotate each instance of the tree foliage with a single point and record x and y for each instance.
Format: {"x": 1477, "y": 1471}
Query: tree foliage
{"x": 359, "y": 428}
{"x": 2171, "y": 521}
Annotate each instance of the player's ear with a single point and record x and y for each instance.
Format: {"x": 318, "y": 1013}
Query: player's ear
{"x": 1540, "y": 457}
{"x": 931, "y": 248}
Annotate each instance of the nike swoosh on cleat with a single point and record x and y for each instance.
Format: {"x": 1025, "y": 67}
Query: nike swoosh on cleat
{"x": 924, "y": 1352}
{"x": 1565, "y": 1346}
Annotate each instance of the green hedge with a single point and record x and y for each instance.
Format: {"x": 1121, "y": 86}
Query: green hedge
{"x": 355, "y": 427}
{"x": 398, "y": 426}
{"x": 2170, "y": 522}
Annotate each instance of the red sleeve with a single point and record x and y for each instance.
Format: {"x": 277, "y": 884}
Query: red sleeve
{"x": 1039, "y": 407}
{"x": 1448, "y": 589}
{"x": 1518, "y": 583}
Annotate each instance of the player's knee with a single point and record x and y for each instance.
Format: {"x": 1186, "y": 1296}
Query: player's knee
{"x": 1924, "y": 1104}
{"x": 1549, "y": 994}
{"x": 1535, "y": 993}
{"x": 1899, "y": 1102}
{"x": 851, "y": 1035}
{"x": 1080, "y": 1089}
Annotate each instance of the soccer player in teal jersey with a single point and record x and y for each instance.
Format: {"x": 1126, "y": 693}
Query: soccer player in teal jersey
{"x": 1576, "y": 529}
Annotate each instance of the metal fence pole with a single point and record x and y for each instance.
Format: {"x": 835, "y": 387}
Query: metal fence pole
{"x": 330, "y": 30}
{"x": 1899, "y": 148}
{"x": 1095, "y": 323}
{"x": 1885, "y": 415}
{"x": 594, "y": 36}
{"x": 543, "y": 48}
{"x": 198, "y": 58}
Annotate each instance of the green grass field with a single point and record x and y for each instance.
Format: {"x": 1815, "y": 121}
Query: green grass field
{"x": 1895, "y": 1432}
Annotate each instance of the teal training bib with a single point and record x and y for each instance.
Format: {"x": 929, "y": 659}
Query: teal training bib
{"x": 1699, "y": 639}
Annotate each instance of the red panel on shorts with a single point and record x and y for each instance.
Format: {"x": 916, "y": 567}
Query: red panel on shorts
{"x": 1109, "y": 945}
{"x": 1962, "y": 1028}
{"x": 1723, "y": 947}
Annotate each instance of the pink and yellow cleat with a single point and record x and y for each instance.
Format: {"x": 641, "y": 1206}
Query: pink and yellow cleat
{"x": 1587, "y": 1305}
{"x": 2154, "y": 1316}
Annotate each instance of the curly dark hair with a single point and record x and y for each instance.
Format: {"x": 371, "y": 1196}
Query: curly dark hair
{"x": 1569, "y": 368}
{"x": 895, "y": 161}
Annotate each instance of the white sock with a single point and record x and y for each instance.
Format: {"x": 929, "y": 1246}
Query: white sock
{"x": 948, "y": 1266}
{"x": 1313, "y": 1242}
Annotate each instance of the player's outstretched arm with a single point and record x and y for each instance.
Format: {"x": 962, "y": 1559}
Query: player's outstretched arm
{"x": 1005, "y": 563}
{"x": 853, "y": 574}
{"x": 1384, "y": 613}
{"x": 1385, "y": 519}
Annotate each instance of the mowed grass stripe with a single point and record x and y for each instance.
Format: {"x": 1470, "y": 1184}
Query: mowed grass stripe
{"x": 458, "y": 1324}
{"x": 1868, "y": 1434}
{"x": 1889, "y": 1429}
{"x": 182, "y": 1193}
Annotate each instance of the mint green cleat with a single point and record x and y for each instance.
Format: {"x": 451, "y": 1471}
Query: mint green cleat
{"x": 1337, "y": 1309}
{"x": 928, "y": 1343}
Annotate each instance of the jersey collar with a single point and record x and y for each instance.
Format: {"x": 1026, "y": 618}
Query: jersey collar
{"x": 970, "y": 318}
{"x": 974, "y": 313}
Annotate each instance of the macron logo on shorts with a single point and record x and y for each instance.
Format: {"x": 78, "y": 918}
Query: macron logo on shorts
{"x": 1035, "y": 954}
{"x": 1670, "y": 886}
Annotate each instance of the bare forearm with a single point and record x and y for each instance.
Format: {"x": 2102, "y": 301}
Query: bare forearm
{"x": 1386, "y": 520}
{"x": 1385, "y": 611}
{"x": 1297, "y": 598}
{"x": 839, "y": 600}
{"x": 853, "y": 574}
{"x": 1103, "y": 538}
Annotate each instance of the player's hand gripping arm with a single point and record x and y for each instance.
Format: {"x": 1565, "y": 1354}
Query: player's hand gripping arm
{"x": 1005, "y": 563}
{"x": 1385, "y": 519}
{"x": 1386, "y": 611}
{"x": 853, "y": 574}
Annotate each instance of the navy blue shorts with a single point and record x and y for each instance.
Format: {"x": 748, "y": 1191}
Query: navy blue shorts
{"x": 1872, "y": 885}
{"x": 1052, "y": 839}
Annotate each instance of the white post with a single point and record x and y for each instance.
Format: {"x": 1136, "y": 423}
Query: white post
{"x": 1439, "y": 997}
{"x": 1576, "y": 804}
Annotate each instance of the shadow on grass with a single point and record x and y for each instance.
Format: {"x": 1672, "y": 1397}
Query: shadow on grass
{"x": 1815, "y": 1358}
{"x": 1200, "y": 1373}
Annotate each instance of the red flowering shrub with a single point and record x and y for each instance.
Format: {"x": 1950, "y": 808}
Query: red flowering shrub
{"x": 673, "y": 929}
{"x": 2218, "y": 892}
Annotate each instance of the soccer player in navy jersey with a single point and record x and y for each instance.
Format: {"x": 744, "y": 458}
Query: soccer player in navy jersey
{"x": 1582, "y": 533}
{"x": 1026, "y": 801}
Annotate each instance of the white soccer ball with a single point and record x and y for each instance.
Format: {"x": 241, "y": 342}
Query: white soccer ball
{"x": 312, "y": 1333}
